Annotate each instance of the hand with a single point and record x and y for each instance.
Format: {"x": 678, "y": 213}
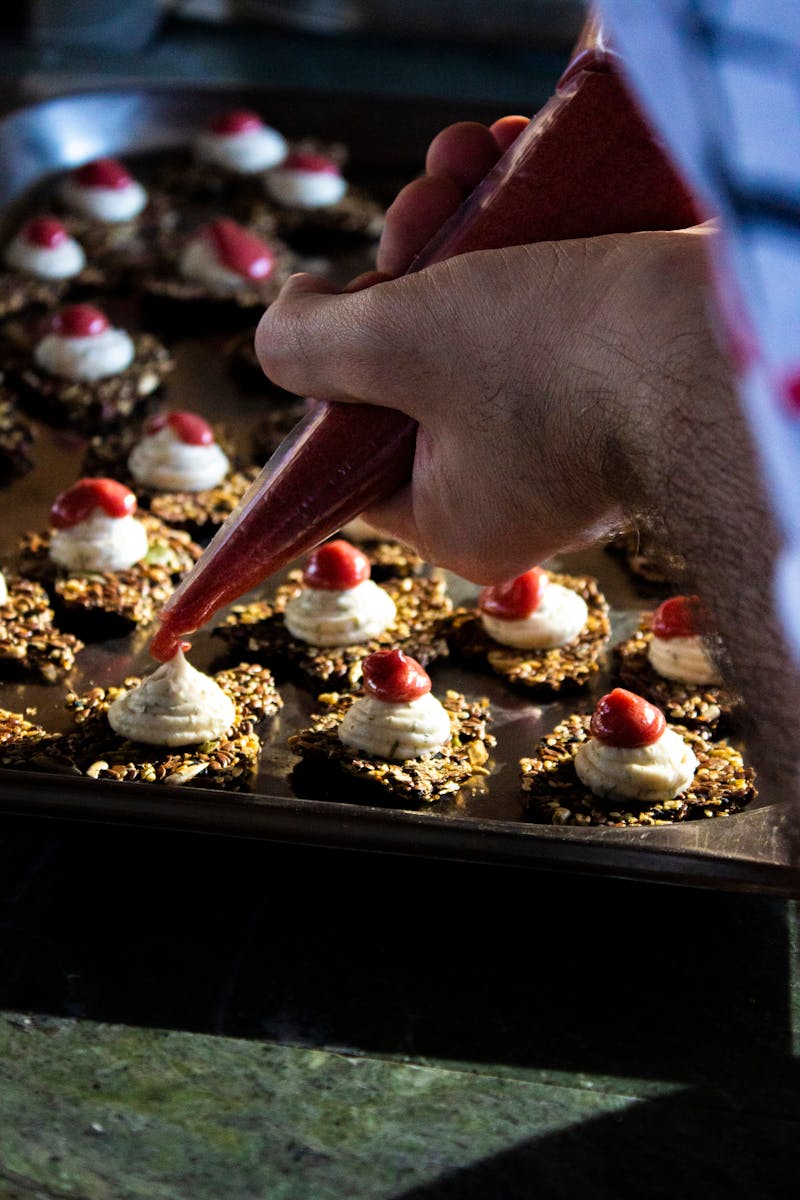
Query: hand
{"x": 519, "y": 365}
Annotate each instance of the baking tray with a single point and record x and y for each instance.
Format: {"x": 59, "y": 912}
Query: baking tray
{"x": 387, "y": 138}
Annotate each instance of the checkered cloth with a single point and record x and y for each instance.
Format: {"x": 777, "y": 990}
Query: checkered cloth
{"x": 720, "y": 81}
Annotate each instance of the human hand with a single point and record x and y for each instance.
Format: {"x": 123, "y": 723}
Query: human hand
{"x": 517, "y": 364}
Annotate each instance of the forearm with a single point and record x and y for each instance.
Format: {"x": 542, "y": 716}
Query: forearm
{"x": 698, "y": 491}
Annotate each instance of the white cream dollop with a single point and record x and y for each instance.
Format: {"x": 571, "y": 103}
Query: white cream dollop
{"x": 175, "y": 706}
{"x": 560, "y": 617}
{"x": 294, "y": 188}
{"x": 660, "y": 771}
{"x": 3, "y": 589}
{"x": 105, "y": 204}
{"x": 199, "y": 263}
{"x": 163, "y": 461}
{"x": 46, "y": 262}
{"x": 100, "y": 543}
{"x": 685, "y": 659}
{"x": 324, "y": 617}
{"x": 85, "y": 358}
{"x": 247, "y": 152}
{"x": 398, "y": 731}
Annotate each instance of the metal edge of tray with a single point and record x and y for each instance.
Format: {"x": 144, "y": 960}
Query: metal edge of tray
{"x": 698, "y": 859}
{"x": 751, "y": 851}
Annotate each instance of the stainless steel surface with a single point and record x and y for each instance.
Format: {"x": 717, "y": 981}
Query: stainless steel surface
{"x": 749, "y": 851}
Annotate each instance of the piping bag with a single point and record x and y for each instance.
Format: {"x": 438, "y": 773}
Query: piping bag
{"x": 586, "y": 165}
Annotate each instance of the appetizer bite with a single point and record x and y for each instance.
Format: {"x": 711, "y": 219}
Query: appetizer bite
{"x": 222, "y": 269}
{"x": 307, "y": 193}
{"x": 83, "y": 372}
{"x": 42, "y": 263}
{"x": 669, "y": 660}
{"x": 30, "y": 643}
{"x": 106, "y": 569}
{"x": 117, "y": 220}
{"x": 395, "y": 744}
{"x": 542, "y": 631}
{"x": 327, "y": 619}
{"x": 624, "y": 765}
{"x": 177, "y": 726}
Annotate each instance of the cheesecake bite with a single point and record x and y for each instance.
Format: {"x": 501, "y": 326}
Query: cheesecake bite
{"x": 106, "y": 567}
{"x": 396, "y": 743}
{"x": 670, "y": 660}
{"x": 542, "y": 631}
{"x": 625, "y": 765}
{"x": 83, "y": 372}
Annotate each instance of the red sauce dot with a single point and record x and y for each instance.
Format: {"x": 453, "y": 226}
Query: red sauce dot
{"x": 103, "y": 173}
{"x": 166, "y": 643}
{"x": 300, "y": 160}
{"x": 237, "y": 120}
{"x": 79, "y": 320}
{"x": 680, "y": 616}
{"x": 336, "y": 567}
{"x": 188, "y": 427}
{"x": 626, "y": 720}
{"x": 77, "y": 502}
{"x": 394, "y": 677}
{"x": 45, "y": 232}
{"x": 239, "y": 250}
{"x": 515, "y": 600}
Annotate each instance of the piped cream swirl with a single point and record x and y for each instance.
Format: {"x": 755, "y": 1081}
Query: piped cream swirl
{"x": 100, "y": 543}
{"x": 175, "y": 706}
{"x": 402, "y": 731}
{"x": 684, "y": 659}
{"x": 85, "y": 359}
{"x": 660, "y": 771}
{"x": 164, "y": 461}
{"x": 324, "y": 617}
{"x": 559, "y": 618}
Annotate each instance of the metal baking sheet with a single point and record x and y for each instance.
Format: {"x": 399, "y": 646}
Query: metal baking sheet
{"x": 387, "y": 138}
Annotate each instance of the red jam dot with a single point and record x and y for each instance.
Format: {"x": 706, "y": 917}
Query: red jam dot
{"x": 515, "y": 600}
{"x": 45, "y": 232}
{"x": 239, "y": 250}
{"x": 188, "y": 427}
{"x": 626, "y": 720}
{"x": 103, "y": 173}
{"x": 80, "y": 320}
{"x": 336, "y": 567}
{"x": 320, "y": 164}
{"x": 238, "y": 120}
{"x": 394, "y": 677}
{"x": 680, "y": 616}
{"x": 77, "y": 502}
